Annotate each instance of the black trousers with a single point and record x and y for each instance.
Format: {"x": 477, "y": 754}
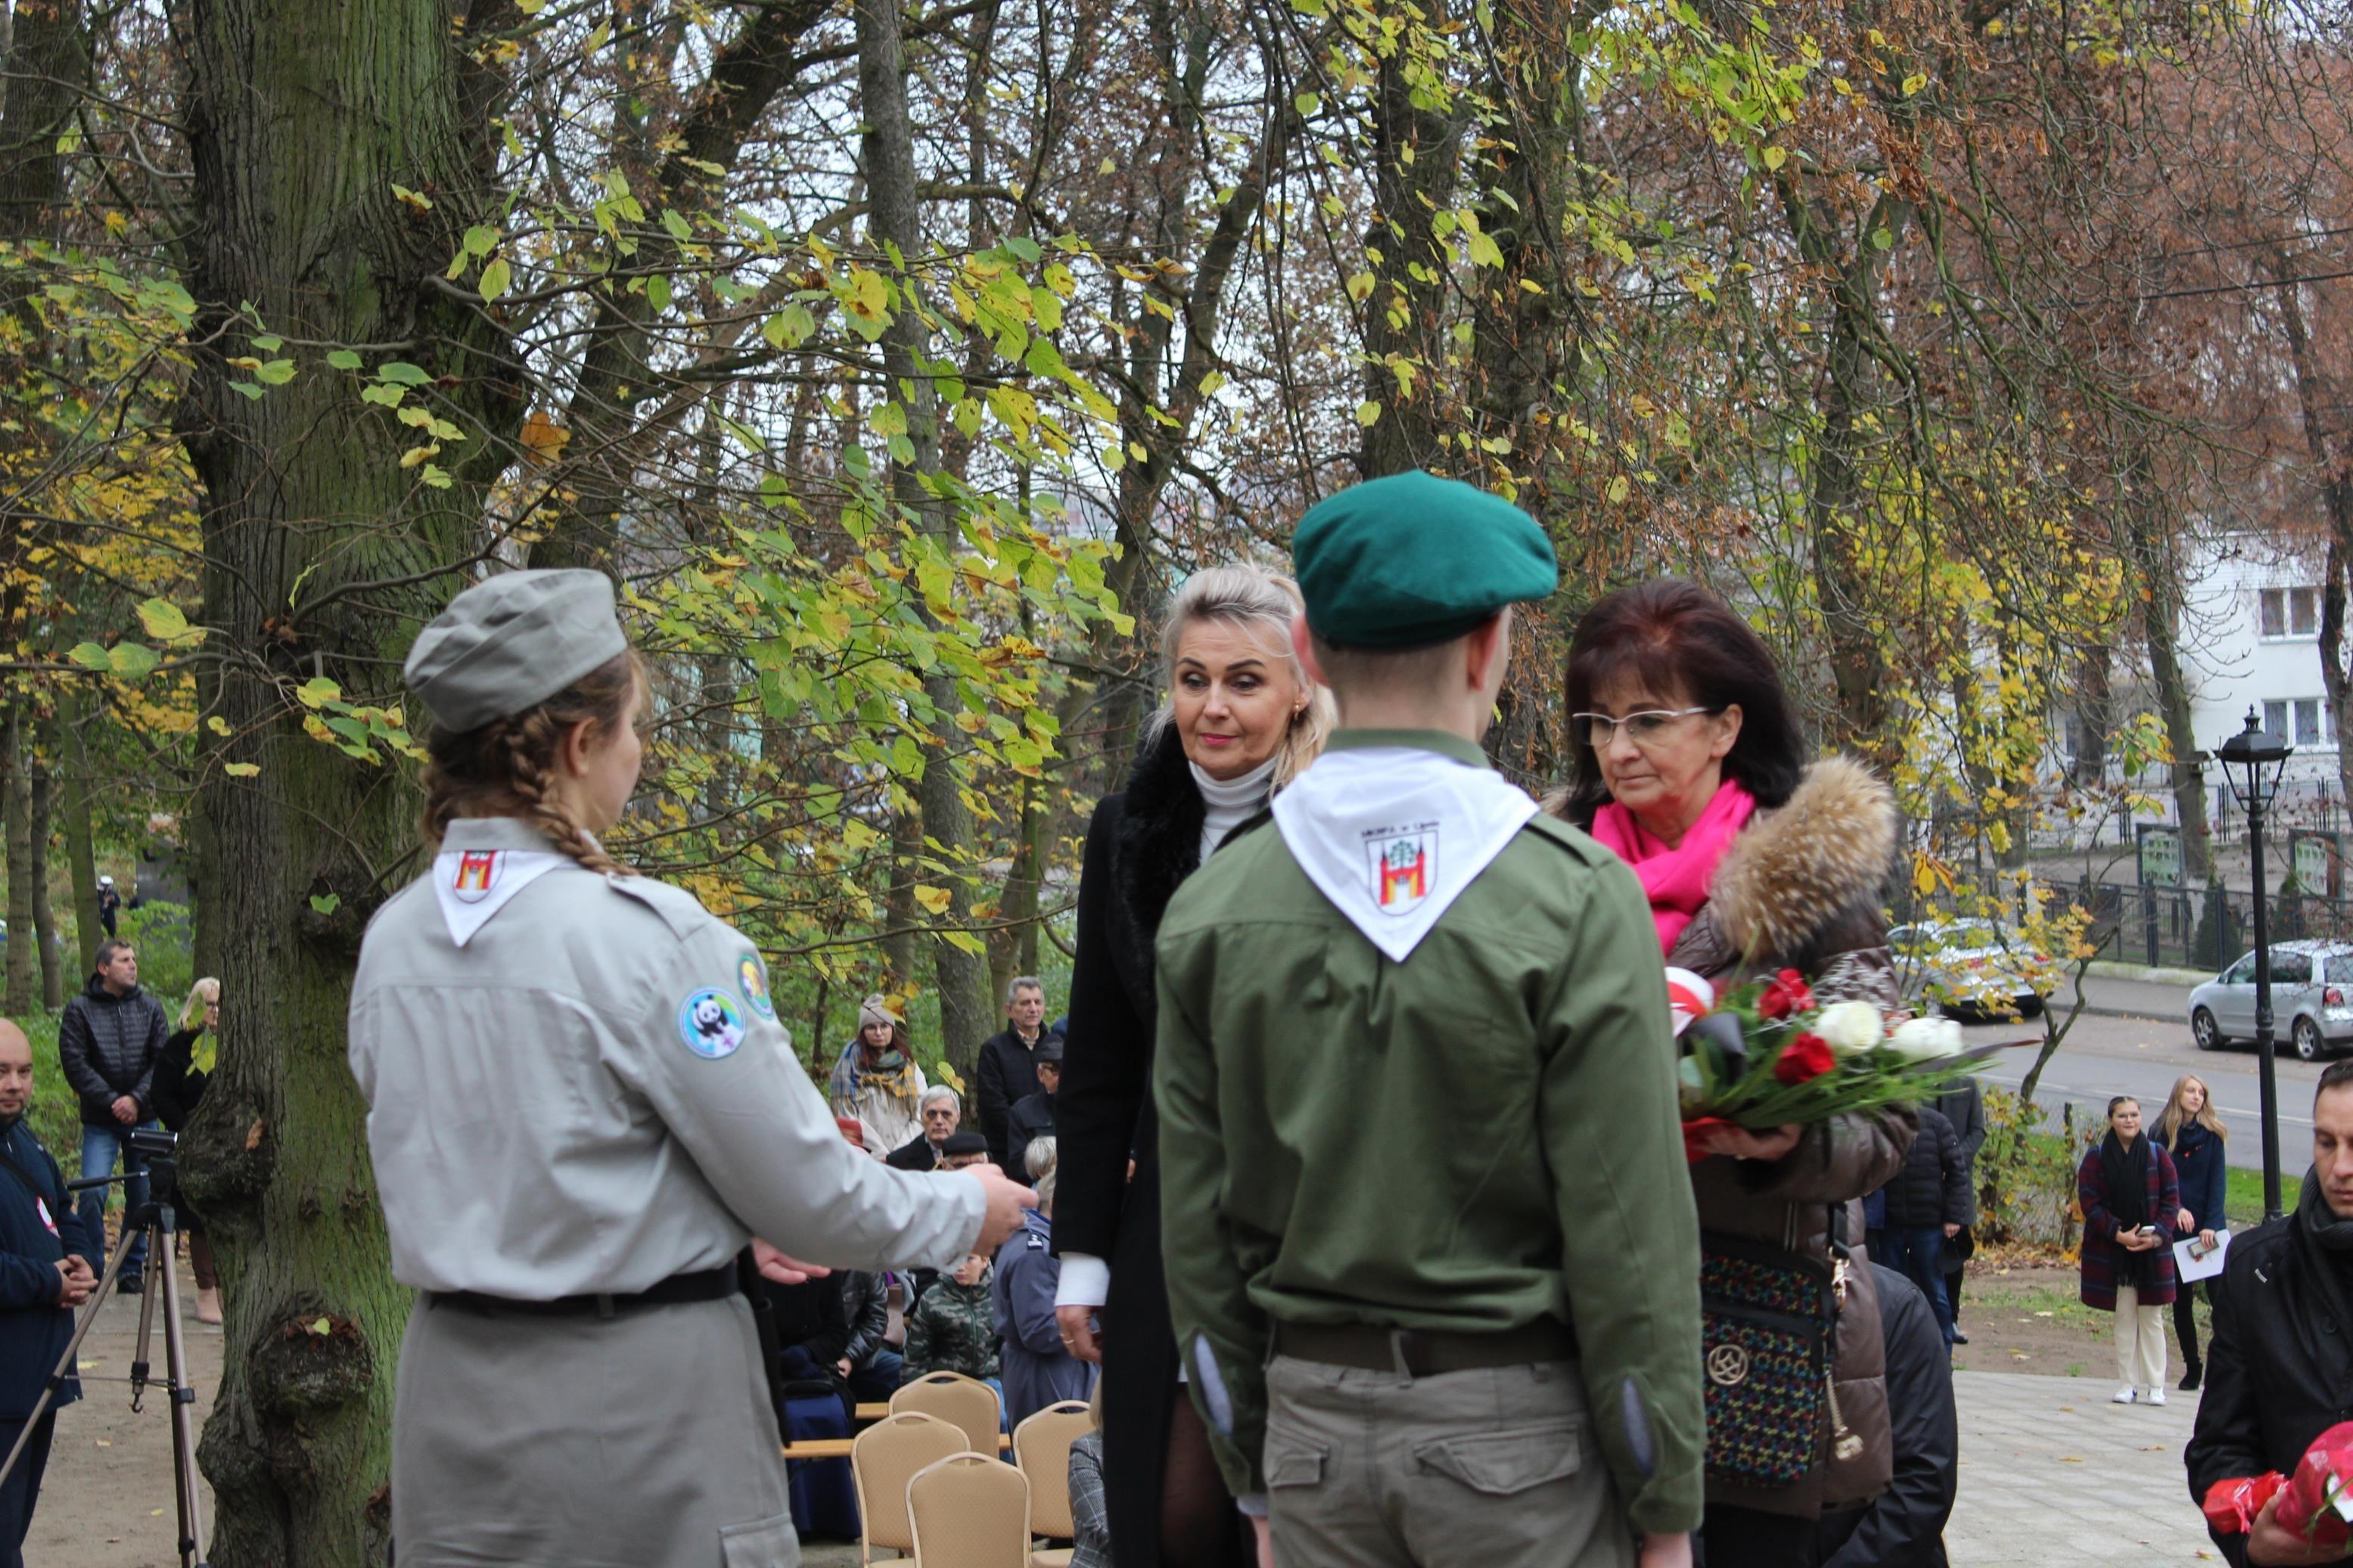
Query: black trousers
{"x": 18, "y": 1492}
{"x": 1750, "y": 1538}
{"x": 2185, "y": 1323}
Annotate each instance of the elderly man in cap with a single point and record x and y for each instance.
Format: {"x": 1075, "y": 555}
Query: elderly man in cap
{"x": 582, "y": 1109}
{"x": 942, "y": 1109}
{"x": 1412, "y": 1339}
{"x": 1031, "y": 1117}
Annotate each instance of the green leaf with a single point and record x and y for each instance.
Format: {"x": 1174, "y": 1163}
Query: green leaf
{"x": 132, "y": 661}
{"x": 679, "y": 227}
{"x": 1368, "y": 414}
{"x": 269, "y": 343}
{"x": 436, "y": 476}
{"x": 657, "y": 294}
{"x": 240, "y": 770}
{"x": 481, "y": 239}
{"x": 326, "y": 903}
{"x": 402, "y": 372}
{"x": 387, "y": 397}
{"x": 162, "y": 620}
{"x": 495, "y": 277}
{"x": 342, "y": 359}
{"x": 317, "y": 691}
{"x": 90, "y": 655}
{"x": 275, "y": 371}
{"x": 789, "y": 328}
{"x": 246, "y": 388}
{"x": 1022, "y": 245}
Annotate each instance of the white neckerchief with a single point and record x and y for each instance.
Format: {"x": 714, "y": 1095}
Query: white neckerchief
{"x": 1231, "y": 803}
{"x": 1392, "y": 835}
{"x": 475, "y": 884}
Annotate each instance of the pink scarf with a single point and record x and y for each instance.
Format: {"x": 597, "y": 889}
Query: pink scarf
{"x": 1677, "y": 879}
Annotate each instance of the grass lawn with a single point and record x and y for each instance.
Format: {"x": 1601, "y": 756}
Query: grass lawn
{"x": 2243, "y": 1198}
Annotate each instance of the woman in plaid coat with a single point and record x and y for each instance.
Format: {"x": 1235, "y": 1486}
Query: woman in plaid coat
{"x": 2129, "y": 1193}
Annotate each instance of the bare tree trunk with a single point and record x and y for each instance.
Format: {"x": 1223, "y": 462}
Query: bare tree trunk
{"x": 81, "y": 853}
{"x": 45, "y": 924}
{"x": 2149, "y": 560}
{"x": 959, "y": 962}
{"x": 16, "y": 810}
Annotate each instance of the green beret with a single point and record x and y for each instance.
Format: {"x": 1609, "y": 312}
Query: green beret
{"x": 1411, "y": 560}
{"x": 512, "y": 642}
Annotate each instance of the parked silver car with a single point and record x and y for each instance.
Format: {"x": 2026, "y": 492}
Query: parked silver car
{"x": 2310, "y": 982}
{"x": 1967, "y": 968}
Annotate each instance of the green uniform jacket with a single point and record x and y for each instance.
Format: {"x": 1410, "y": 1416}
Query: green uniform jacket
{"x": 1472, "y": 1140}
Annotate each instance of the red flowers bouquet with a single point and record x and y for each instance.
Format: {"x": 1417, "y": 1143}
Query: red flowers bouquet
{"x": 2315, "y": 1499}
{"x": 1766, "y": 1055}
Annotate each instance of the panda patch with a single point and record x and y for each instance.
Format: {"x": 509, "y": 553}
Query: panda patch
{"x": 710, "y": 1024}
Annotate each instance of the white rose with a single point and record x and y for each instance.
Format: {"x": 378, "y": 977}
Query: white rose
{"x": 1850, "y": 1027}
{"x": 1926, "y": 1039}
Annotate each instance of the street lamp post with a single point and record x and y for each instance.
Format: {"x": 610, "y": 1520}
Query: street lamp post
{"x": 2262, "y": 758}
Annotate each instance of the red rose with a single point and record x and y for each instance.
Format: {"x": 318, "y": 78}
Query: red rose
{"x": 1786, "y": 993}
{"x": 1806, "y": 1056}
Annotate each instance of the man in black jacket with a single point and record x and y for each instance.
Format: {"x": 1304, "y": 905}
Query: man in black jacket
{"x": 1031, "y": 1117}
{"x": 1927, "y": 1201}
{"x": 109, "y": 1041}
{"x": 1905, "y": 1525}
{"x": 870, "y": 1365}
{"x": 941, "y": 1109}
{"x": 2281, "y": 1366}
{"x": 1007, "y": 1070}
{"x": 47, "y": 1268}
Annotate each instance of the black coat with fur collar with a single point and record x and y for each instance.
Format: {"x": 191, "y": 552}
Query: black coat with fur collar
{"x": 1142, "y": 843}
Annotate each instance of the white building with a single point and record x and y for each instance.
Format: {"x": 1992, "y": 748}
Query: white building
{"x": 2251, "y": 637}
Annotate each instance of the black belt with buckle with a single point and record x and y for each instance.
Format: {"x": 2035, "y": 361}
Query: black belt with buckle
{"x": 708, "y": 1285}
{"x": 1425, "y": 1352}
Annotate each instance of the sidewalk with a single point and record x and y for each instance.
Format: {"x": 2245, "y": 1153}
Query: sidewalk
{"x": 2115, "y": 996}
{"x": 2051, "y": 1473}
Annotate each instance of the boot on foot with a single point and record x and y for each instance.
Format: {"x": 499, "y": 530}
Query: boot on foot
{"x": 209, "y": 1306}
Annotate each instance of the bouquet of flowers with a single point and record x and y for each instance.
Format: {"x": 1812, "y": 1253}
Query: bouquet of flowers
{"x": 1766, "y": 1055}
{"x": 2315, "y": 1499}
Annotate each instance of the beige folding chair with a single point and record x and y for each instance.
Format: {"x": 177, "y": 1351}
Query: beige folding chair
{"x": 1041, "y": 1447}
{"x": 881, "y": 1458}
{"x": 952, "y": 1396}
{"x": 970, "y": 1511}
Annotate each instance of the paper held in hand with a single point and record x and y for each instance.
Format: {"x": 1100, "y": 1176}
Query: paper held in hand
{"x": 2193, "y": 1259}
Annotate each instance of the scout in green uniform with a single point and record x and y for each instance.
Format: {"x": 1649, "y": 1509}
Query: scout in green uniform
{"x": 1432, "y": 1260}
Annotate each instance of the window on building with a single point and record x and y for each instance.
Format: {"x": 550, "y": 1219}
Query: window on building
{"x": 2275, "y": 718}
{"x": 2288, "y": 612}
{"x": 2307, "y": 721}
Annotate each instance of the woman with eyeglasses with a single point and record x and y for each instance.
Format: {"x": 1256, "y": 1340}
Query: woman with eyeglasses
{"x": 1687, "y": 764}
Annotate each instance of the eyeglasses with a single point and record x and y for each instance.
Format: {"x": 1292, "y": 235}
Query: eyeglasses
{"x": 1646, "y": 729}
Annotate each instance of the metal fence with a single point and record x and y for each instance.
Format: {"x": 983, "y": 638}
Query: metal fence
{"x": 2200, "y": 928}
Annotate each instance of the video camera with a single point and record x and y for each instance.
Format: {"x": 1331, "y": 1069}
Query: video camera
{"x": 160, "y": 1153}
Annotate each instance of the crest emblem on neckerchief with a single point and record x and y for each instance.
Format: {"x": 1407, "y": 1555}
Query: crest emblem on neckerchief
{"x": 477, "y": 873}
{"x": 1404, "y": 865}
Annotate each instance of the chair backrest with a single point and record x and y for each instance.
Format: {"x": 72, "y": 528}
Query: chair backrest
{"x": 881, "y": 1458}
{"x": 1041, "y": 1447}
{"x": 952, "y": 1396}
{"x": 970, "y": 1511}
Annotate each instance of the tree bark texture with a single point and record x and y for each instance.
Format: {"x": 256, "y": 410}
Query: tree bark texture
{"x": 2150, "y": 561}
{"x": 322, "y": 555}
{"x": 81, "y": 853}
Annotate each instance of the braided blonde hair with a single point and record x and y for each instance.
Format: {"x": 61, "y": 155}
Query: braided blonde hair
{"x": 507, "y": 767}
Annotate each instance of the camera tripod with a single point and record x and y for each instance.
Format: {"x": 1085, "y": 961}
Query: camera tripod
{"x": 156, "y": 1221}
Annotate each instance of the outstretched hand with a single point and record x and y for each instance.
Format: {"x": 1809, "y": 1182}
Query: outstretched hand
{"x": 1006, "y": 1199}
{"x": 782, "y": 1269}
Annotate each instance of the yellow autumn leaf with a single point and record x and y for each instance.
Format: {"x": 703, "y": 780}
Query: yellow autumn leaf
{"x": 934, "y": 899}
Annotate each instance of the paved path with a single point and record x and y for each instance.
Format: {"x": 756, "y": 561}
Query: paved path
{"x": 2052, "y": 1473}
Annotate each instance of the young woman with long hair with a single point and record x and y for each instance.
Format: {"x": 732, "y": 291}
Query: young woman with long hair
{"x": 2192, "y": 1133}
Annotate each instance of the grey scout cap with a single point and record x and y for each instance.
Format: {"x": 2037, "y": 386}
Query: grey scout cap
{"x": 513, "y": 641}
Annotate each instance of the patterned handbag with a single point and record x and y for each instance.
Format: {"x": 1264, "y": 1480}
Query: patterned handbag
{"x": 1769, "y": 1318}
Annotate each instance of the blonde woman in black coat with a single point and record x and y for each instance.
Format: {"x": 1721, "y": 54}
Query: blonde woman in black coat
{"x": 1243, "y": 719}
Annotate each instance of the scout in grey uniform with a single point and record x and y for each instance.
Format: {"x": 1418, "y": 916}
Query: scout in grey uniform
{"x": 581, "y": 1110}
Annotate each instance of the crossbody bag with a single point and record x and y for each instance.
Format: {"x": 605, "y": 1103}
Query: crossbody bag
{"x": 1770, "y": 1328}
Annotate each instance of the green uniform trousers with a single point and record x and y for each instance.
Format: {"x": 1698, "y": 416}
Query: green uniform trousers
{"x": 1498, "y": 1467}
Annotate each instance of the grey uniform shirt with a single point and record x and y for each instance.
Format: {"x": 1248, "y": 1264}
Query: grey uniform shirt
{"x": 592, "y": 1092}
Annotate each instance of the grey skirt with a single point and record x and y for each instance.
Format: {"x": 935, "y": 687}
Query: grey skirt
{"x": 642, "y": 1441}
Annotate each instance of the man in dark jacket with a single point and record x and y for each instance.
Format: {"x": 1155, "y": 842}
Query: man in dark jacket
{"x": 47, "y": 1268}
{"x": 1927, "y": 1201}
{"x": 1032, "y": 1116}
{"x": 1905, "y": 1525}
{"x": 109, "y": 1041}
{"x": 1965, "y": 1108}
{"x": 2282, "y": 1355}
{"x": 1008, "y": 1065}
{"x": 869, "y": 1365}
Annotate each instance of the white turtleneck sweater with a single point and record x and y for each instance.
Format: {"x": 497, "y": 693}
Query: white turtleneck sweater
{"x": 1085, "y": 1281}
